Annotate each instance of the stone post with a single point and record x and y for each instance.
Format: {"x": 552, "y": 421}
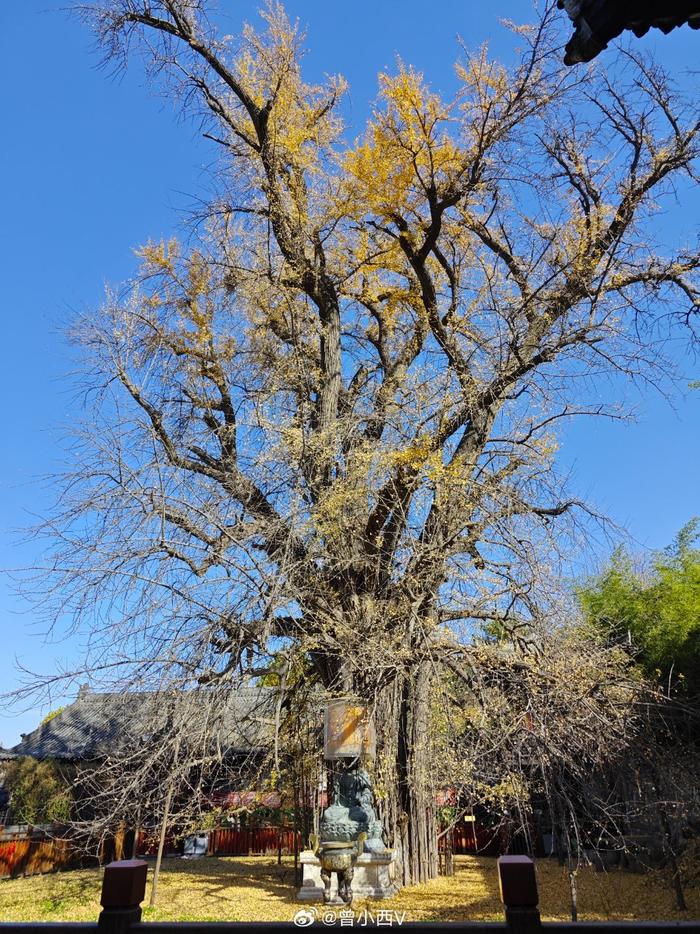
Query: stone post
{"x": 518, "y": 885}
{"x": 123, "y": 890}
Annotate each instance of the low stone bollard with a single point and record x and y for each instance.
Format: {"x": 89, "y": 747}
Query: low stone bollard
{"x": 518, "y": 885}
{"x": 123, "y": 890}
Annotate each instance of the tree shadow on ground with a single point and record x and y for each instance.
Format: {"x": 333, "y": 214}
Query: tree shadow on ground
{"x": 216, "y": 878}
{"x": 51, "y": 895}
{"x": 214, "y": 883}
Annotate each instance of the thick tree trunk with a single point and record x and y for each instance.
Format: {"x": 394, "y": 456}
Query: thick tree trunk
{"x": 407, "y": 806}
{"x": 402, "y": 715}
{"x": 415, "y": 789}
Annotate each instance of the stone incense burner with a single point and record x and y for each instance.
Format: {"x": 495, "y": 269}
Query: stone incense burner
{"x": 336, "y": 856}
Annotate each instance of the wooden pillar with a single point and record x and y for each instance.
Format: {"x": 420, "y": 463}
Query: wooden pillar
{"x": 123, "y": 890}
{"x": 518, "y": 885}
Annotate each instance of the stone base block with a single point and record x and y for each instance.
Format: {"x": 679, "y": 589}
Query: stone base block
{"x": 375, "y": 877}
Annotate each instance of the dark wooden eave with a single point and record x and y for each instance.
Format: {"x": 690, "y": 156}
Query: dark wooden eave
{"x": 598, "y": 22}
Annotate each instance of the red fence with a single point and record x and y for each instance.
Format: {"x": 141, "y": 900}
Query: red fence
{"x": 262, "y": 841}
{"x": 32, "y": 853}
{"x": 147, "y": 844}
{"x": 468, "y": 837}
{"x": 29, "y": 854}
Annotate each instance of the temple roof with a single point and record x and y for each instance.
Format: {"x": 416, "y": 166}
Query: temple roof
{"x": 99, "y": 723}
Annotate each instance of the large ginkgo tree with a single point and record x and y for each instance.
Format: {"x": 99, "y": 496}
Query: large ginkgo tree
{"x": 326, "y": 425}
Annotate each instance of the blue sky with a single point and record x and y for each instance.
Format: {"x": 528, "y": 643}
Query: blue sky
{"x": 92, "y": 166}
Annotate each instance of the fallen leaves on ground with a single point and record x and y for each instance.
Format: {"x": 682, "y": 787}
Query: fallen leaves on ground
{"x": 257, "y": 889}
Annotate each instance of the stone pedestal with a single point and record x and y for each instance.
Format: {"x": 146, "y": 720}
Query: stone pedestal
{"x": 375, "y": 877}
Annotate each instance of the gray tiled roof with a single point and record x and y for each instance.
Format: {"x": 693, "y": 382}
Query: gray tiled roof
{"x": 97, "y": 724}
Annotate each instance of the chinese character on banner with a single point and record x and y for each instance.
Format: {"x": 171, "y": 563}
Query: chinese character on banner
{"x": 384, "y": 916}
{"x": 366, "y": 917}
{"x": 347, "y": 917}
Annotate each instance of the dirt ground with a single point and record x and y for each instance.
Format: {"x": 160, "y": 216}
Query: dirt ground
{"x": 257, "y": 889}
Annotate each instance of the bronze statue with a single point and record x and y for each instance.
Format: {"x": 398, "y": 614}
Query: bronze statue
{"x": 349, "y": 827}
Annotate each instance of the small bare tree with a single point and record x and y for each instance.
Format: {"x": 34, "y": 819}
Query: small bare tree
{"x": 539, "y": 738}
{"x": 164, "y": 759}
{"x": 329, "y": 426}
